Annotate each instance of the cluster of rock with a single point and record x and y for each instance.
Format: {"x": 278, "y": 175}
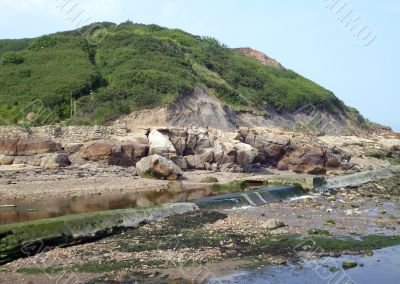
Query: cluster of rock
{"x": 34, "y": 152}
{"x": 164, "y": 152}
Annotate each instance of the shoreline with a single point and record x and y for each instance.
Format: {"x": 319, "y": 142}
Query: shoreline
{"x": 353, "y": 220}
{"x": 90, "y": 181}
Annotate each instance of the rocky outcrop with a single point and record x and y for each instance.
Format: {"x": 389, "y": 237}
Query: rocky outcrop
{"x": 270, "y": 147}
{"x": 27, "y": 147}
{"x": 113, "y": 152}
{"x": 55, "y": 161}
{"x": 188, "y": 148}
{"x": 99, "y": 151}
{"x": 158, "y": 167}
{"x": 313, "y": 159}
{"x": 195, "y": 162}
{"x": 32, "y": 151}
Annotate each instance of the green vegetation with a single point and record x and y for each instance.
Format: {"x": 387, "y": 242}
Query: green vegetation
{"x": 318, "y": 232}
{"x": 376, "y": 153}
{"x": 330, "y": 222}
{"x": 229, "y": 187}
{"x": 348, "y": 264}
{"x": 191, "y": 231}
{"x": 70, "y": 228}
{"x": 333, "y": 269}
{"x": 140, "y": 66}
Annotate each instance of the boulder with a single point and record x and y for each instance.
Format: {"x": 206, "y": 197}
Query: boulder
{"x": 195, "y": 162}
{"x": 139, "y": 151}
{"x": 270, "y": 147}
{"x": 160, "y": 145}
{"x": 332, "y": 161}
{"x": 272, "y": 224}
{"x": 158, "y": 167}
{"x": 124, "y": 154}
{"x": 180, "y": 162}
{"x": 308, "y": 156}
{"x": 55, "y": 161}
{"x": 304, "y": 160}
{"x": 283, "y": 165}
{"x": 225, "y": 153}
{"x": 231, "y": 168}
{"x": 99, "y": 151}
{"x": 178, "y": 138}
{"x": 123, "y": 158}
{"x": 139, "y": 136}
{"x": 6, "y": 160}
{"x": 245, "y": 154}
{"x": 76, "y": 159}
{"x": 203, "y": 143}
{"x": 198, "y": 142}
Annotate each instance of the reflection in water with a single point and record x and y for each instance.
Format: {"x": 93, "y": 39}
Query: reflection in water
{"x": 27, "y": 210}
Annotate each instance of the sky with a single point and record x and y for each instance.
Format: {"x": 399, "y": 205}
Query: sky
{"x": 357, "y": 57}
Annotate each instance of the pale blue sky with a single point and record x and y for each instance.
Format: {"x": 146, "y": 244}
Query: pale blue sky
{"x": 303, "y": 35}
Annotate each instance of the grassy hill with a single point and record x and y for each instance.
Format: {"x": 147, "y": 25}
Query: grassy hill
{"x": 141, "y": 66}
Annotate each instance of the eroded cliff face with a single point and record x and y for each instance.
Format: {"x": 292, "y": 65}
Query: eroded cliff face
{"x": 198, "y": 109}
{"x": 261, "y": 57}
{"x": 201, "y": 109}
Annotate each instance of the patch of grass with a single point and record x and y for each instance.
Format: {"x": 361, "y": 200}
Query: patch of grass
{"x": 333, "y": 269}
{"x": 318, "y": 232}
{"x": 39, "y": 270}
{"x": 348, "y": 264}
{"x": 233, "y": 186}
{"x": 330, "y": 222}
{"x": 376, "y": 153}
{"x": 371, "y": 242}
{"x": 394, "y": 160}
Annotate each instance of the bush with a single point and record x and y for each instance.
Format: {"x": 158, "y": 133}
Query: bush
{"x": 12, "y": 58}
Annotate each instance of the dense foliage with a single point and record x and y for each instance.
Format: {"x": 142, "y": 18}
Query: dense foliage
{"x": 140, "y": 66}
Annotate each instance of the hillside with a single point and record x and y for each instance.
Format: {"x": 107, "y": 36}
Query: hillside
{"x": 140, "y": 67}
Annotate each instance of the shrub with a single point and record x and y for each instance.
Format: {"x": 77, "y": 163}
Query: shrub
{"x": 12, "y": 58}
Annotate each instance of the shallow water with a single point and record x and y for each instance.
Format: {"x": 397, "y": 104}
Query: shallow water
{"x": 27, "y": 210}
{"x": 382, "y": 267}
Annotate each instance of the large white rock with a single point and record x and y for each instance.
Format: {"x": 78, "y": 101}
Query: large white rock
{"x": 158, "y": 167}
{"x": 160, "y": 145}
{"x": 245, "y": 154}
